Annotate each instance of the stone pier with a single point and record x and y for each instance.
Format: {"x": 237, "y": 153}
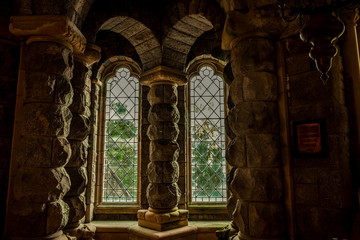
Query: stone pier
{"x": 38, "y": 179}
{"x": 78, "y": 139}
{"x": 163, "y": 193}
{"x": 256, "y": 179}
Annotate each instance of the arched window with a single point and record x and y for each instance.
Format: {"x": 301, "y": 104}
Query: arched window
{"x": 120, "y": 118}
{"x": 207, "y": 135}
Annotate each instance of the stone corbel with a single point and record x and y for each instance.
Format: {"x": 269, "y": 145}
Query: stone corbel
{"x": 163, "y": 75}
{"x": 91, "y": 55}
{"x": 53, "y": 28}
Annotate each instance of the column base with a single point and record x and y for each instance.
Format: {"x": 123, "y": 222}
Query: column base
{"x": 182, "y": 233}
{"x": 83, "y": 232}
{"x": 161, "y": 221}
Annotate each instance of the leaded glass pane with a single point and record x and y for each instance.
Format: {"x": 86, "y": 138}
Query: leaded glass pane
{"x": 208, "y": 168}
{"x": 121, "y": 138}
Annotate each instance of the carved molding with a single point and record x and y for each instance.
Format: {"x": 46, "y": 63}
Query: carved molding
{"x": 91, "y": 55}
{"x": 48, "y": 28}
{"x": 163, "y": 75}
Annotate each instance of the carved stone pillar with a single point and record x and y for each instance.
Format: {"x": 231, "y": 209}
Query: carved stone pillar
{"x": 256, "y": 179}
{"x": 78, "y": 139}
{"x": 163, "y": 193}
{"x": 38, "y": 179}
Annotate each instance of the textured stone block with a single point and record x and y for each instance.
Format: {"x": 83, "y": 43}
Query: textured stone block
{"x": 78, "y": 177}
{"x": 164, "y": 151}
{"x": 236, "y": 91}
{"x": 260, "y": 86}
{"x": 266, "y": 219}
{"x": 231, "y": 205}
{"x": 77, "y": 207}
{"x": 257, "y": 184}
{"x": 79, "y": 103}
{"x": 40, "y": 87}
{"x": 34, "y": 214}
{"x": 79, "y": 153}
{"x": 34, "y": 151}
{"x": 79, "y": 128}
{"x": 163, "y": 172}
{"x": 46, "y": 119}
{"x": 49, "y": 57}
{"x": 41, "y": 185}
{"x": 61, "y": 152}
{"x": 253, "y": 55}
{"x": 57, "y": 216}
{"x": 241, "y": 216}
{"x": 263, "y": 150}
{"x": 80, "y": 74}
{"x": 254, "y": 117}
{"x": 163, "y": 131}
{"x": 163, "y": 195}
{"x": 163, "y": 112}
{"x": 235, "y": 152}
{"x": 162, "y": 94}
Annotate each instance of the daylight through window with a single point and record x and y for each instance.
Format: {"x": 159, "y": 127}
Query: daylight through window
{"x": 208, "y": 166}
{"x": 121, "y": 138}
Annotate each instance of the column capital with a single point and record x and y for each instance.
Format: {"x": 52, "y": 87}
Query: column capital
{"x": 91, "y": 55}
{"x": 163, "y": 75}
{"x": 253, "y": 23}
{"x": 54, "y": 28}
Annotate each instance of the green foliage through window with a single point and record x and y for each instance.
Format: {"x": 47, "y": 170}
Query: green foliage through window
{"x": 121, "y": 138}
{"x": 207, "y": 137}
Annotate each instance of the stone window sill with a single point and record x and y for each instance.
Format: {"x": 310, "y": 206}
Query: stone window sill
{"x": 122, "y": 229}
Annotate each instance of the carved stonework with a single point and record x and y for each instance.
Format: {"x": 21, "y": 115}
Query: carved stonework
{"x": 48, "y": 28}
{"x": 163, "y": 193}
{"x": 163, "y": 75}
{"x": 91, "y": 55}
{"x": 78, "y": 137}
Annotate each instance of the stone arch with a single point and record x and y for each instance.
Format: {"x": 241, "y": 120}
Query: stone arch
{"x": 183, "y": 23}
{"x": 138, "y": 34}
{"x": 141, "y": 37}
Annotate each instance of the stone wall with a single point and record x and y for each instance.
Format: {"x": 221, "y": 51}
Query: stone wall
{"x": 9, "y": 63}
{"x": 321, "y": 184}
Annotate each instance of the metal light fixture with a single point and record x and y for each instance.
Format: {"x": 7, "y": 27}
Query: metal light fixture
{"x": 322, "y": 29}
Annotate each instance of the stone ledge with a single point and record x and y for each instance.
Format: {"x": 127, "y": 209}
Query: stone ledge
{"x": 108, "y": 230}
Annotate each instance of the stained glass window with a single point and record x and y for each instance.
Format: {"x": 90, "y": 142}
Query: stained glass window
{"x": 208, "y": 166}
{"x": 121, "y": 138}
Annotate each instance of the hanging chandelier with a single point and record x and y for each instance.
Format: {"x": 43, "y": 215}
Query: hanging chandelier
{"x": 321, "y": 30}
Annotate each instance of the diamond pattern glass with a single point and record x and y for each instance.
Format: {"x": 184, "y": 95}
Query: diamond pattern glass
{"x": 208, "y": 166}
{"x": 121, "y": 138}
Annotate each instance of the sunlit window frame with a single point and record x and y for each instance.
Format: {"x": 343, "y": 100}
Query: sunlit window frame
{"x": 108, "y": 70}
{"x": 193, "y": 70}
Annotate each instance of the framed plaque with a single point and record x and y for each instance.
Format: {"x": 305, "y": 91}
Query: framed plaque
{"x": 310, "y": 138}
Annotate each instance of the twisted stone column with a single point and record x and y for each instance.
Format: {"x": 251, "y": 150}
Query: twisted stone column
{"x": 255, "y": 180}
{"x": 163, "y": 193}
{"x": 39, "y": 181}
{"x": 78, "y": 138}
